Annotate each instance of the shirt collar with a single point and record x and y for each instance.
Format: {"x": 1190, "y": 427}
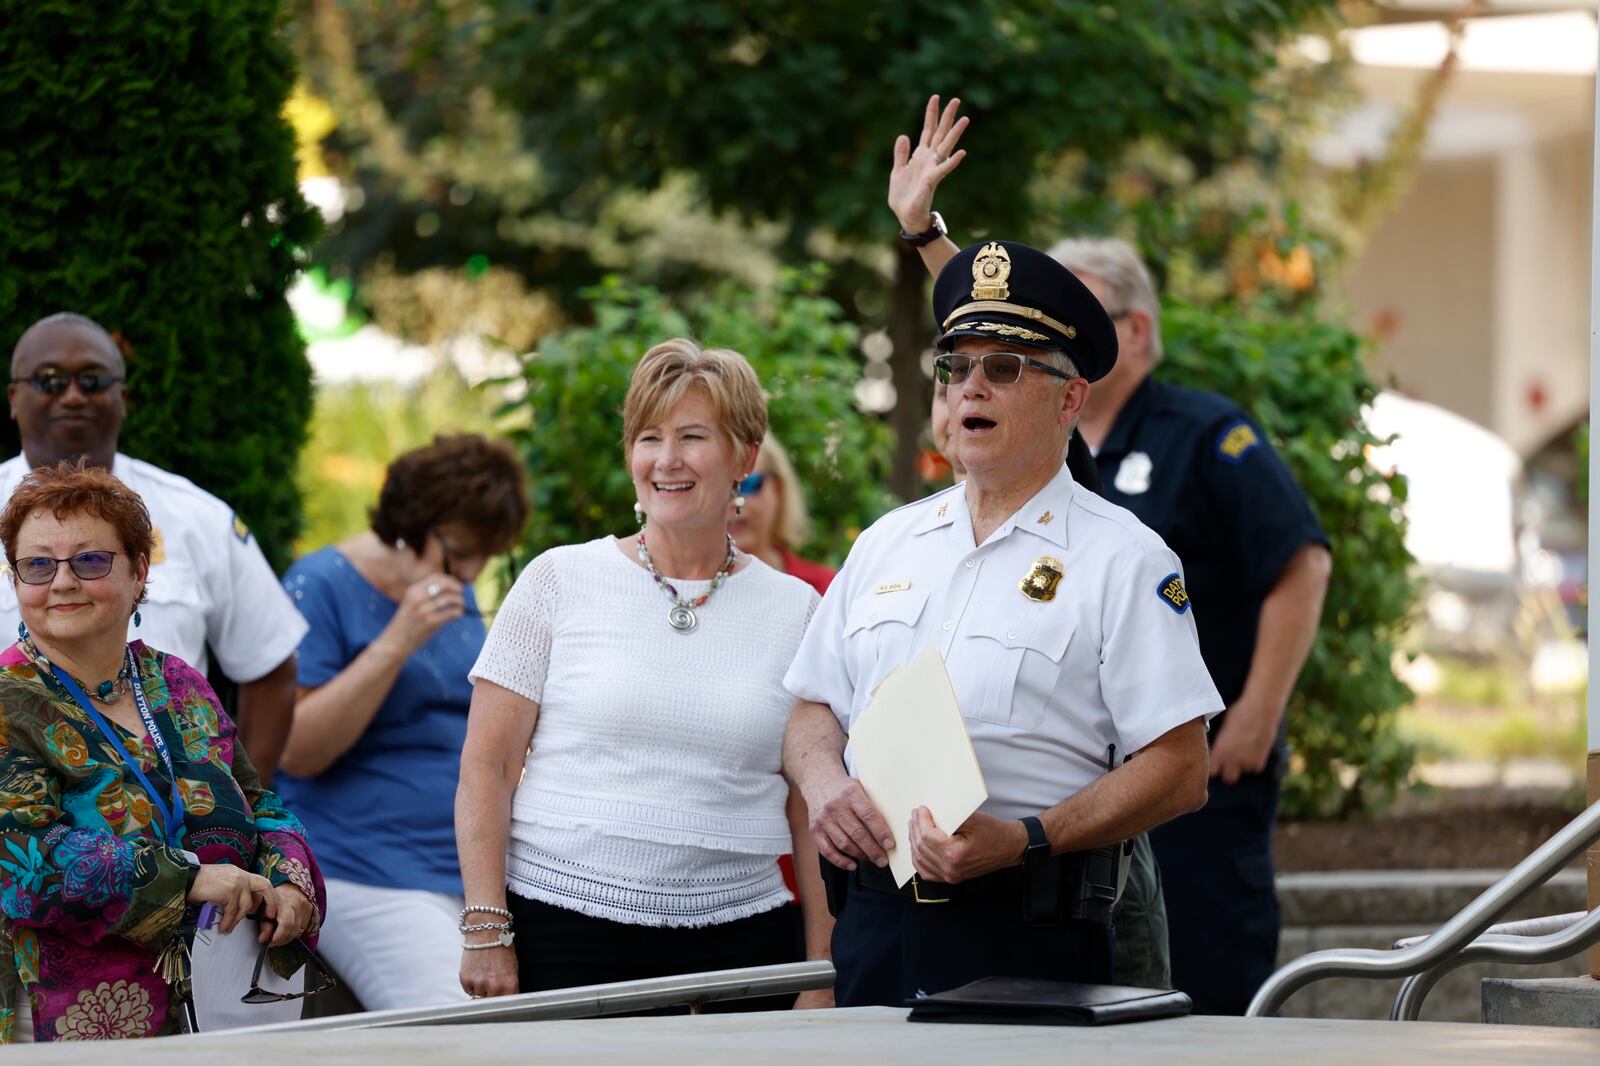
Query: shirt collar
{"x": 1044, "y": 515}
{"x": 1127, "y": 420}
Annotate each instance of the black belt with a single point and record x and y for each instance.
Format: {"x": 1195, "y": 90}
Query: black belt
{"x": 1011, "y": 881}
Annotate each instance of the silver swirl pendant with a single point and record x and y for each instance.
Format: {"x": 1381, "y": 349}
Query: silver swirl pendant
{"x": 682, "y": 619}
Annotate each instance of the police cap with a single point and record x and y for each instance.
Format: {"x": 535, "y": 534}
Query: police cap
{"x": 1005, "y": 291}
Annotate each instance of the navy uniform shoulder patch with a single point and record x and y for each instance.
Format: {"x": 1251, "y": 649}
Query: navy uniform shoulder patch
{"x": 1236, "y": 439}
{"x": 1172, "y": 593}
{"x": 240, "y": 530}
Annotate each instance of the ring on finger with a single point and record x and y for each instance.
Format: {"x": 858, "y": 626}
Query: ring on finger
{"x": 937, "y": 158}
{"x": 433, "y": 591}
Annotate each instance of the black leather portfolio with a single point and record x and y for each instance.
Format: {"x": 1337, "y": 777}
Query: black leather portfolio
{"x": 1025, "y": 1001}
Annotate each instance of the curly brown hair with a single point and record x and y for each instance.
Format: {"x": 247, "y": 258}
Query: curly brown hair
{"x": 461, "y": 479}
{"x": 70, "y": 489}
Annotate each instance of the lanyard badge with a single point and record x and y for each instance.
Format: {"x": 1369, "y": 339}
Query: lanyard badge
{"x": 171, "y": 812}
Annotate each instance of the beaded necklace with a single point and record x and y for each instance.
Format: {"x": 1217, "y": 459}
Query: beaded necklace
{"x": 106, "y": 692}
{"x": 682, "y": 617}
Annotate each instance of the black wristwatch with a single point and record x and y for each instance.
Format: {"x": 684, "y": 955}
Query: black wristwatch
{"x": 1038, "y": 850}
{"x": 933, "y": 232}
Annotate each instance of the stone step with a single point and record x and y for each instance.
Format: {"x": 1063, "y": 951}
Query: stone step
{"x": 1569, "y": 1002}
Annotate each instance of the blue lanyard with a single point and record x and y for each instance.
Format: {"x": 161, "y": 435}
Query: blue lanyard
{"x": 171, "y": 818}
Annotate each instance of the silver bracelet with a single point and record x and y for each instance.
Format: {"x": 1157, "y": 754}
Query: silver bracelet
{"x": 482, "y": 927}
{"x": 502, "y": 941}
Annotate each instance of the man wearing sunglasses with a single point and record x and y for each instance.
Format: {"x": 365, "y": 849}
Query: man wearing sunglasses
{"x": 1066, "y": 631}
{"x": 1199, "y": 471}
{"x": 210, "y": 586}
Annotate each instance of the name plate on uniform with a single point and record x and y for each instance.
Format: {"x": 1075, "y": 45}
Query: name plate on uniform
{"x": 892, "y": 586}
{"x": 911, "y": 750}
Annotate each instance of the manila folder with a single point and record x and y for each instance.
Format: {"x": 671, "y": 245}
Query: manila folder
{"x": 911, "y": 750}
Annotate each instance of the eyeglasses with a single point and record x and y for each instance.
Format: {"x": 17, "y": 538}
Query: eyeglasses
{"x": 999, "y": 368}
{"x": 41, "y": 569}
{"x": 314, "y": 965}
{"x": 53, "y": 381}
{"x": 752, "y": 483}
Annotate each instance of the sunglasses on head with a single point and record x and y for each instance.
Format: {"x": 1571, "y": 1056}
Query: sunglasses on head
{"x": 41, "y": 569}
{"x": 53, "y": 381}
{"x": 999, "y": 368}
{"x": 751, "y": 484}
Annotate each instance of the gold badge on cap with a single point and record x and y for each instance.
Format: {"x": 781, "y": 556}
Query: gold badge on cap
{"x": 991, "y": 272}
{"x": 1041, "y": 582}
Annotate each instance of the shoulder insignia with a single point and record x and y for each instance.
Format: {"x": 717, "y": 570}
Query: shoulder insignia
{"x": 1173, "y": 594}
{"x": 1236, "y": 439}
{"x": 240, "y": 530}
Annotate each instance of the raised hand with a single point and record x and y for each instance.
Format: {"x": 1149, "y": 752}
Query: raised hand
{"x": 918, "y": 171}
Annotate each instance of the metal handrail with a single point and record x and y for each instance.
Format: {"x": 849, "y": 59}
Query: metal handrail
{"x": 1462, "y": 928}
{"x": 1579, "y": 931}
{"x": 586, "y": 1001}
{"x": 1550, "y": 923}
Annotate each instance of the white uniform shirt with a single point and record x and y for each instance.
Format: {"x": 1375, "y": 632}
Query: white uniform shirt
{"x": 209, "y": 582}
{"x": 1046, "y": 685}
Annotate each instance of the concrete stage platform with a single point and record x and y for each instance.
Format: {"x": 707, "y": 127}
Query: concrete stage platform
{"x": 877, "y": 1034}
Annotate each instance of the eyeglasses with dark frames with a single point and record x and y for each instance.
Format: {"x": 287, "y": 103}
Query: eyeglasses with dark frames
{"x": 41, "y": 569}
{"x": 314, "y": 965}
{"x": 999, "y": 368}
{"x": 53, "y": 381}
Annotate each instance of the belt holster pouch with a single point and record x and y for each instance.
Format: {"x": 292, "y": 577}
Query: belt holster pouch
{"x": 1042, "y": 894}
{"x": 836, "y": 882}
{"x": 1096, "y": 890}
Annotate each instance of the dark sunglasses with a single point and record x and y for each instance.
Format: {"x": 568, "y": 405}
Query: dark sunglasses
{"x": 752, "y": 484}
{"x": 999, "y": 368}
{"x": 53, "y": 382}
{"x": 314, "y": 967}
{"x": 41, "y": 569}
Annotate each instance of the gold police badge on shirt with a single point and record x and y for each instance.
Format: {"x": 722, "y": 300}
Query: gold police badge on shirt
{"x": 1041, "y": 582}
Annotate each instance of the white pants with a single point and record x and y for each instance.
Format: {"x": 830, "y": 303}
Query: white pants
{"x": 394, "y": 947}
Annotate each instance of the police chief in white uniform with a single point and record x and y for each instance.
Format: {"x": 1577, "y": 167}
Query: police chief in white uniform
{"x": 1069, "y": 641}
{"x": 210, "y": 585}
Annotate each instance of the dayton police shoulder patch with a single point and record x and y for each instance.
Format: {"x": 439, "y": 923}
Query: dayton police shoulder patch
{"x": 1172, "y": 593}
{"x": 1236, "y": 438}
{"x": 240, "y": 530}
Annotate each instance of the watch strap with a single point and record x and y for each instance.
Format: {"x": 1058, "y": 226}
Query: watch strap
{"x": 935, "y": 230}
{"x": 1038, "y": 841}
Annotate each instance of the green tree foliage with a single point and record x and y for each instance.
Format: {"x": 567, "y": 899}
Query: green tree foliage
{"x": 147, "y": 179}
{"x": 568, "y": 424}
{"x": 1304, "y": 381}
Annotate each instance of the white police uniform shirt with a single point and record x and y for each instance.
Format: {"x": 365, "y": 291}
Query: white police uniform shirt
{"x": 209, "y": 582}
{"x": 1103, "y": 655}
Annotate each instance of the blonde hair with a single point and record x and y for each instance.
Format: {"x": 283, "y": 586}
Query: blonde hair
{"x": 668, "y": 371}
{"x": 793, "y": 524}
{"x": 1116, "y": 263}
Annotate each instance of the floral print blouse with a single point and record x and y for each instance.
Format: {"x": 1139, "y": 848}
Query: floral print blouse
{"x": 90, "y": 892}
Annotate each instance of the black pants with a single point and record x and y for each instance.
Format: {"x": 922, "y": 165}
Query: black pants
{"x": 1222, "y": 909}
{"x": 887, "y": 948}
{"x": 558, "y": 948}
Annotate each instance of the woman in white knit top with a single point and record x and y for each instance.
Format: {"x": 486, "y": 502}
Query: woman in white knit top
{"x": 621, "y": 806}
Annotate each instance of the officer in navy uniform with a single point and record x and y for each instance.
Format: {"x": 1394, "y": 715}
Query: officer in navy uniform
{"x": 1195, "y": 468}
{"x": 1198, "y": 470}
{"x": 1066, "y": 631}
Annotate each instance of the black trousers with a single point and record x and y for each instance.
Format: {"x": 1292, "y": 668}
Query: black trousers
{"x": 1222, "y": 907}
{"x": 887, "y": 948}
{"x": 559, "y": 948}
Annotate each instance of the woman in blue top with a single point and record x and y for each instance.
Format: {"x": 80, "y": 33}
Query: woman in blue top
{"x": 374, "y": 751}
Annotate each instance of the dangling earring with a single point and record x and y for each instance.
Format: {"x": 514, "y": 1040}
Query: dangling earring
{"x": 738, "y": 499}
{"x": 136, "y": 619}
{"x": 22, "y": 631}
{"x": 638, "y": 513}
